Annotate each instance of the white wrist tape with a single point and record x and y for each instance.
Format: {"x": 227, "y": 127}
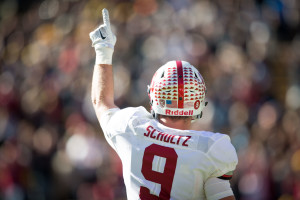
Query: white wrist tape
{"x": 104, "y": 55}
{"x": 216, "y": 188}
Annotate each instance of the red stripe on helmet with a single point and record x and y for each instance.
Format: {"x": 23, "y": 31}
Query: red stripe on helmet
{"x": 180, "y": 84}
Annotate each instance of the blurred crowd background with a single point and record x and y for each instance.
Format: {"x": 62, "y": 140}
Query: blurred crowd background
{"x": 248, "y": 51}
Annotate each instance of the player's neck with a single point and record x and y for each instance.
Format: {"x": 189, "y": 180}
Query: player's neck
{"x": 177, "y": 124}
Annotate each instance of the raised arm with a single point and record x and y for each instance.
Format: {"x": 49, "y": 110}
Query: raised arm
{"x": 103, "y": 40}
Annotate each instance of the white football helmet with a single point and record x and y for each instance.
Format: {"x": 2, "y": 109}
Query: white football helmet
{"x": 177, "y": 89}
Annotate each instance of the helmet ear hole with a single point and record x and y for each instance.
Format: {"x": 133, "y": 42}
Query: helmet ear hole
{"x": 154, "y": 114}
{"x": 162, "y": 75}
{"x": 196, "y": 75}
{"x": 151, "y": 102}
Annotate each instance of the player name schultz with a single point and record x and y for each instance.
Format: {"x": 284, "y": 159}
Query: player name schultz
{"x": 167, "y": 138}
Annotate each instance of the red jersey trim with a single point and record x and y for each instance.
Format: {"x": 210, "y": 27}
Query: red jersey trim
{"x": 225, "y": 177}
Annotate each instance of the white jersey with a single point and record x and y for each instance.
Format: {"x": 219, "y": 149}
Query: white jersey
{"x": 165, "y": 163}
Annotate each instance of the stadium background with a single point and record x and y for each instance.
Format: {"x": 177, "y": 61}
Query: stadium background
{"x": 247, "y": 51}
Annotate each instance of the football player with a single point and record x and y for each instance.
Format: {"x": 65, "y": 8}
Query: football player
{"x": 161, "y": 157}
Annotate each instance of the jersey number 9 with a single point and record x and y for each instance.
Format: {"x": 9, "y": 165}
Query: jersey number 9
{"x": 165, "y": 179}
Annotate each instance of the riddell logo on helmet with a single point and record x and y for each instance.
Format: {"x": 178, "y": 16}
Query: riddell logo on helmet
{"x": 179, "y": 112}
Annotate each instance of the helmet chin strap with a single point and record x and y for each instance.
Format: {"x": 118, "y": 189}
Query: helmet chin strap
{"x": 197, "y": 116}
{"x": 200, "y": 115}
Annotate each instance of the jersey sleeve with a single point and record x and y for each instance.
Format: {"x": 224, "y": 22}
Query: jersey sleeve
{"x": 217, "y": 189}
{"x": 117, "y": 121}
{"x": 224, "y": 158}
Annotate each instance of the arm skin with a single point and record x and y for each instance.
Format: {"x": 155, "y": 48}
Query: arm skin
{"x": 102, "y": 89}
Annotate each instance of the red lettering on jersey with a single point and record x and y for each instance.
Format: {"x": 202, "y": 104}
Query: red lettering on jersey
{"x": 151, "y": 135}
{"x": 167, "y": 138}
{"x": 148, "y": 129}
{"x": 184, "y": 143}
{"x": 171, "y": 141}
{"x": 178, "y": 139}
{"x": 161, "y": 135}
{"x": 164, "y": 137}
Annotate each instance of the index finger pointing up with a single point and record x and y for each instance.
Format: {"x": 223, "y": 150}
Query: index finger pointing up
{"x": 105, "y": 16}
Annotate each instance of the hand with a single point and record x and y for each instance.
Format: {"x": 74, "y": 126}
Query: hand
{"x": 103, "y": 40}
